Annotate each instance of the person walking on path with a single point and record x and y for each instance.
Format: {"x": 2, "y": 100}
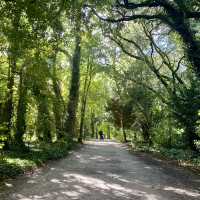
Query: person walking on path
{"x": 101, "y": 135}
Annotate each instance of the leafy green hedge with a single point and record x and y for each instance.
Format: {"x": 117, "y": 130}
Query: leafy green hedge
{"x": 16, "y": 163}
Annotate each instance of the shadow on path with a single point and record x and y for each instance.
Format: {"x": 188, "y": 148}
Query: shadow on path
{"x": 104, "y": 170}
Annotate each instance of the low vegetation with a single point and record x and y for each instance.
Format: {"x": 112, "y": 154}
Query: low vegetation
{"x": 179, "y": 157}
{"x": 14, "y": 163}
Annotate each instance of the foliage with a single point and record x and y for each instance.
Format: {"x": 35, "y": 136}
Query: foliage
{"x": 181, "y": 157}
{"x": 69, "y": 69}
{"x": 15, "y": 163}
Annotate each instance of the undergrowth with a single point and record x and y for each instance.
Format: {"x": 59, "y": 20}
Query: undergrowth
{"x": 16, "y": 163}
{"x": 183, "y": 157}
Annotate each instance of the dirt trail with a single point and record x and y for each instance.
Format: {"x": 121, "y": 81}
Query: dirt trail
{"x": 104, "y": 171}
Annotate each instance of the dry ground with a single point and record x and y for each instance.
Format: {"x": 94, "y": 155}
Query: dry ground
{"x": 104, "y": 171}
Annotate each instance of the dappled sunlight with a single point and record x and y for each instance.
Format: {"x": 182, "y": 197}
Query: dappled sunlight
{"x": 100, "y": 171}
{"x": 116, "y": 176}
{"x": 81, "y": 186}
{"x": 183, "y": 191}
{"x": 71, "y": 194}
{"x": 100, "y": 158}
{"x": 32, "y": 182}
{"x": 89, "y": 181}
{"x": 9, "y": 185}
{"x": 55, "y": 181}
{"x": 147, "y": 168}
{"x": 102, "y": 143}
{"x": 151, "y": 197}
{"x": 81, "y": 189}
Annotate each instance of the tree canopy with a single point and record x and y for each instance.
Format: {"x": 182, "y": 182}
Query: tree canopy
{"x": 69, "y": 69}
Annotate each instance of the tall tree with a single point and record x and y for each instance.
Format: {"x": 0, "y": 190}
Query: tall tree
{"x": 178, "y": 15}
{"x": 13, "y": 34}
{"x": 21, "y": 110}
{"x": 70, "y": 124}
{"x": 87, "y": 82}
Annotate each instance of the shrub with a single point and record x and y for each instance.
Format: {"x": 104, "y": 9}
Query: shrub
{"x": 15, "y": 163}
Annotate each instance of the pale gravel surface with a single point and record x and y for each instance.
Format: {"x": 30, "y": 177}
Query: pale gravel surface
{"x": 104, "y": 171}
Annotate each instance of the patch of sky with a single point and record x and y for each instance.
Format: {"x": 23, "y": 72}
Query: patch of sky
{"x": 163, "y": 42}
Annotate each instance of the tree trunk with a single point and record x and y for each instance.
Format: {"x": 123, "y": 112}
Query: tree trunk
{"x": 58, "y": 114}
{"x": 83, "y": 107}
{"x": 190, "y": 137}
{"x": 86, "y": 88}
{"x": 170, "y": 132}
{"x": 70, "y": 124}
{"x": 80, "y": 138}
{"x": 124, "y": 134}
{"x": 21, "y": 112}
{"x": 123, "y": 130}
{"x": 97, "y": 132}
{"x": 58, "y": 103}
{"x": 93, "y": 125}
{"x": 47, "y": 128}
{"x": 178, "y": 22}
{"x": 14, "y": 50}
{"x": 43, "y": 119}
{"x": 191, "y": 43}
{"x": 108, "y": 132}
{"x": 146, "y": 133}
{"x": 7, "y": 110}
{"x": 135, "y": 136}
{"x": 85, "y": 132}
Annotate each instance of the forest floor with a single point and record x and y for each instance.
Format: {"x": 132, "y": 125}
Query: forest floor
{"x": 108, "y": 171}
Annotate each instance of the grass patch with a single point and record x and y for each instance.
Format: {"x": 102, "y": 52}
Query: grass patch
{"x": 15, "y": 163}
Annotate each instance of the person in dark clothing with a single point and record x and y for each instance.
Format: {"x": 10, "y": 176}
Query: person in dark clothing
{"x": 101, "y": 135}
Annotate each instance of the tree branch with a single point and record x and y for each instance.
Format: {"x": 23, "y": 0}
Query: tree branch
{"x": 131, "y": 17}
{"x": 147, "y": 3}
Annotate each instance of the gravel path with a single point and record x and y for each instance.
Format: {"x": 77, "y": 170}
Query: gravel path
{"x": 104, "y": 171}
